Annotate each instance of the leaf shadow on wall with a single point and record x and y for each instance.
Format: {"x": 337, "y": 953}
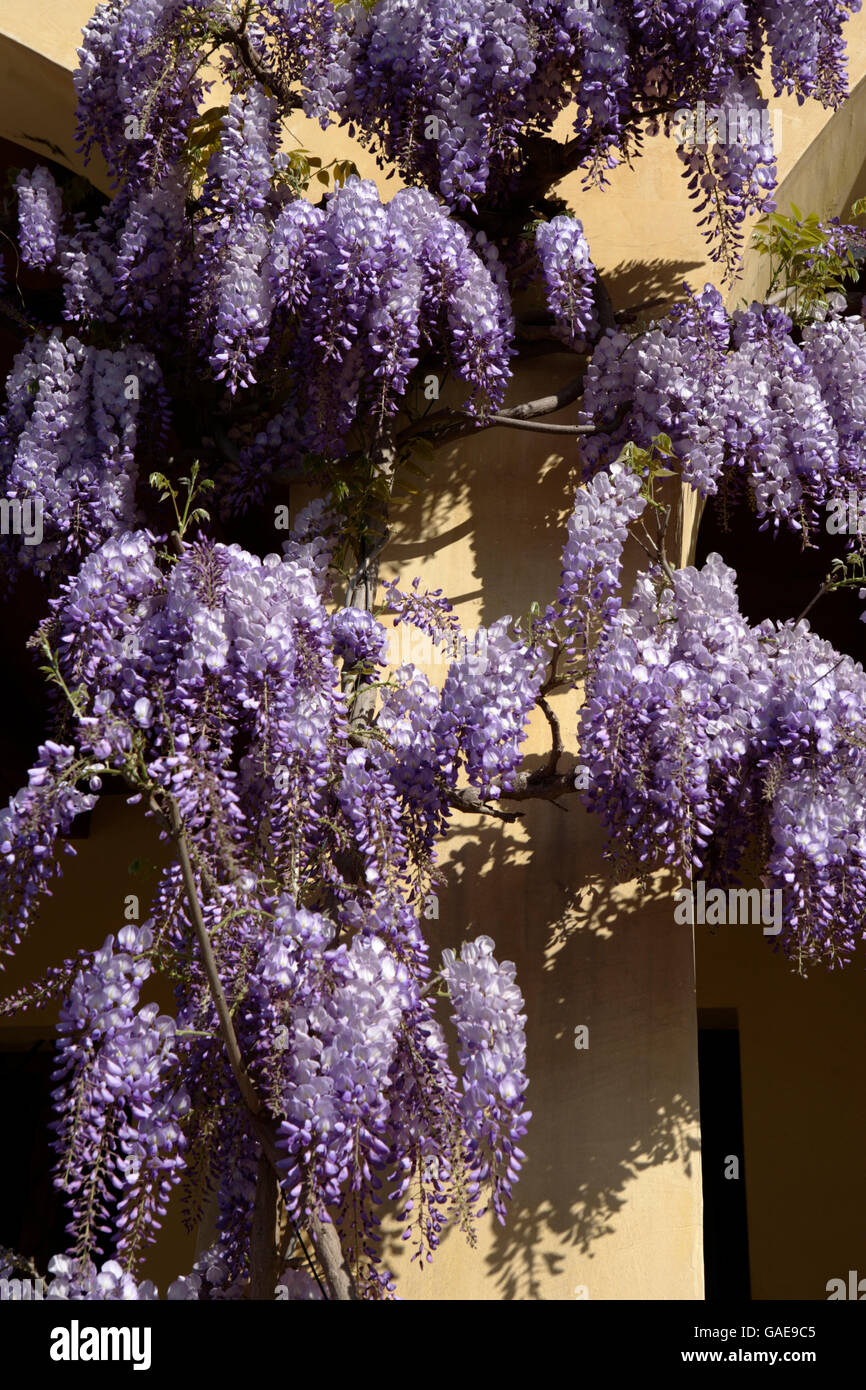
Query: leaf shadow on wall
{"x": 650, "y": 286}
{"x": 587, "y": 953}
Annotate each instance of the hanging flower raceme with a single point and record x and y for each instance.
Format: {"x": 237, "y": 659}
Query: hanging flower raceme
{"x": 119, "y": 1102}
{"x": 490, "y": 1027}
{"x": 232, "y": 293}
{"x": 40, "y": 211}
{"x": 370, "y": 284}
{"x": 806, "y": 46}
{"x": 592, "y": 558}
{"x": 740, "y": 398}
{"x": 730, "y": 164}
{"x": 570, "y": 275}
{"x": 343, "y": 299}
{"x": 486, "y": 701}
{"x": 706, "y": 736}
{"x": 69, "y": 437}
{"x": 30, "y": 827}
{"x": 138, "y": 87}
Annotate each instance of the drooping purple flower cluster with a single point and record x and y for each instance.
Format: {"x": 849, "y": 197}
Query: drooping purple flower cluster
{"x": 592, "y": 558}
{"x": 29, "y": 829}
{"x": 705, "y": 735}
{"x": 569, "y": 275}
{"x": 486, "y": 701}
{"x": 731, "y": 167}
{"x": 806, "y": 46}
{"x": 138, "y": 87}
{"x": 456, "y": 72}
{"x": 428, "y": 611}
{"x": 213, "y": 679}
{"x": 740, "y": 398}
{"x": 152, "y": 268}
{"x": 334, "y": 305}
{"x": 465, "y": 81}
{"x": 40, "y": 210}
{"x": 232, "y": 295}
{"x": 305, "y": 40}
{"x": 358, "y": 638}
{"x": 120, "y": 1104}
{"x": 490, "y": 1027}
{"x": 68, "y": 445}
{"x": 336, "y": 1101}
{"x": 449, "y": 90}
{"x": 377, "y": 282}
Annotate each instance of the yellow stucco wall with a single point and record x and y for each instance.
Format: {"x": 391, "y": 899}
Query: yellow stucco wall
{"x": 610, "y": 1201}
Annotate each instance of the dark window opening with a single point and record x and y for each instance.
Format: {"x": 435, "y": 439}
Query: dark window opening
{"x": 726, "y": 1235}
{"x": 776, "y": 577}
{"x": 33, "y": 1218}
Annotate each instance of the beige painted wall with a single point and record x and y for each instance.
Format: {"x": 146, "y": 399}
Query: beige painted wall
{"x": 802, "y": 1043}
{"x": 610, "y": 1199}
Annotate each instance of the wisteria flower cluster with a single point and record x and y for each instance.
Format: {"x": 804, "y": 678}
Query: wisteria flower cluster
{"x": 40, "y": 212}
{"x": 493, "y": 1055}
{"x": 707, "y": 736}
{"x": 212, "y": 682}
{"x": 120, "y": 1103}
{"x": 589, "y": 585}
{"x": 448, "y": 90}
{"x": 740, "y": 399}
{"x": 215, "y": 317}
{"x": 340, "y": 301}
{"x": 570, "y": 275}
{"x": 70, "y": 438}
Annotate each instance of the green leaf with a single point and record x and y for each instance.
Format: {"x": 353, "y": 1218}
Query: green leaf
{"x": 160, "y": 481}
{"x": 202, "y": 128}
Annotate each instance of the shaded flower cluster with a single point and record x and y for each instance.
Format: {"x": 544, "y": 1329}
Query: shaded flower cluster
{"x": 40, "y": 211}
{"x": 69, "y": 439}
{"x": 119, "y": 1102}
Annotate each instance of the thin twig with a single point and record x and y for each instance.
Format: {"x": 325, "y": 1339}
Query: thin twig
{"x": 663, "y": 559}
{"x": 825, "y": 588}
